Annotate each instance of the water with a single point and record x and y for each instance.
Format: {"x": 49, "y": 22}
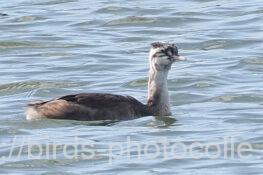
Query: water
{"x": 50, "y": 48}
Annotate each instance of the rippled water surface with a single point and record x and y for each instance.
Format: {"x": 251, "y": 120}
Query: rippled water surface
{"x": 50, "y": 48}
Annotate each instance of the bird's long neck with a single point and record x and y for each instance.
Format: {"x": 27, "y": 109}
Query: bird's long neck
{"x": 158, "y": 96}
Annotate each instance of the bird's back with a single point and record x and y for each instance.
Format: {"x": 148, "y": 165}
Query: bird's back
{"x": 89, "y": 107}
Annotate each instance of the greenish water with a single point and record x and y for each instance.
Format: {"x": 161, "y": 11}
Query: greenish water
{"x": 49, "y": 48}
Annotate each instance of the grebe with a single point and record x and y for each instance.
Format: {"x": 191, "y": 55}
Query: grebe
{"x": 102, "y": 106}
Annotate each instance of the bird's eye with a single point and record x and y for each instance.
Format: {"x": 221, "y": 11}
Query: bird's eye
{"x": 169, "y": 58}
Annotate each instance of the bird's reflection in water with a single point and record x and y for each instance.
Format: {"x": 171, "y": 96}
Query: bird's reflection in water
{"x": 156, "y": 121}
{"x": 163, "y": 122}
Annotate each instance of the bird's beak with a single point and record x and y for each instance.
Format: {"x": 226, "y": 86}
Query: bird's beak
{"x": 179, "y": 58}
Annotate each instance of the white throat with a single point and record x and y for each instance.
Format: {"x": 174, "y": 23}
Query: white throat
{"x": 158, "y": 96}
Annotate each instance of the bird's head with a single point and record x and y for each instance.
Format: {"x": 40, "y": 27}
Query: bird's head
{"x": 163, "y": 55}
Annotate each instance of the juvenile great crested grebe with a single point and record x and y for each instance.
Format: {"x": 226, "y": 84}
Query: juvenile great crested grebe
{"x": 100, "y": 106}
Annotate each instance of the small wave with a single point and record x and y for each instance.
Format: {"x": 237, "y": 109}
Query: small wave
{"x": 28, "y": 19}
{"x": 191, "y": 83}
{"x": 131, "y": 20}
{"x": 215, "y": 44}
{"x": 137, "y": 83}
{"x": 20, "y": 87}
{"x": 16, "y": 44}
{"x": 228, "y": 43}
{"x": 255, "y": 61}
{"x": 112, "y": 9}
{"x": 3, "y": 14}
{"x": 30, "y": 44}
{"x": 240, "y": 98}
{"x": 54, "y": 2}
